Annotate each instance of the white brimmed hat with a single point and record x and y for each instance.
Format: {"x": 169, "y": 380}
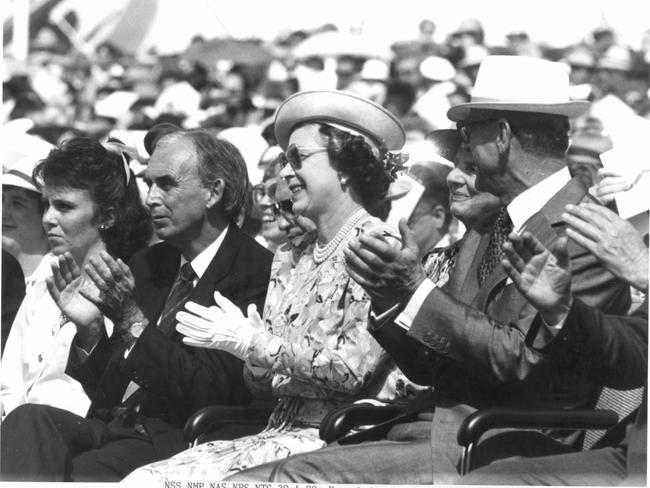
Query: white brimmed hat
{"x": 437, "y": 69}
{"x": 340, "y": 109}
{"x": 20, "y": 174}
{"x": 521, "y": 84}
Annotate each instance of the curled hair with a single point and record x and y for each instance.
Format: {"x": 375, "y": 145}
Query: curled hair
{"x": 220, "y": 159}
{"x": 363, "y": 164}
{"x": 84, "y": 164}
{"x": 540, "y": 134}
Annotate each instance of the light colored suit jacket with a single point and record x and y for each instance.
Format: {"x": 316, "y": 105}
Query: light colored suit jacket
{"x": 485, "y": 346}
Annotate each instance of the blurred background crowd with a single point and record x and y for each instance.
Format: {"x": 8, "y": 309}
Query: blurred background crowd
{"x": 69, "y": 83}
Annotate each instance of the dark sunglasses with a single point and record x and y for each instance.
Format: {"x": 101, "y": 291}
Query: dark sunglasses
{"x": 283, "y": 207}
{"x": 261, "y": 190}
{"x": 295, "y": 155}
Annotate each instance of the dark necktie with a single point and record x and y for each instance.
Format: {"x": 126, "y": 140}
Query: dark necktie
{"x": 177, "y": 296}
{"x": 493, "y": 254}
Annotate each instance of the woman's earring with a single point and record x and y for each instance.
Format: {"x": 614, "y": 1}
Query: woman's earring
{"x": 102, "y": 227}
{"x": 344, "y": 181}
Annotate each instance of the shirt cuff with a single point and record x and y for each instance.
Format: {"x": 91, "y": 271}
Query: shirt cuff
{"x": 557, "y": 326}
{"x": 378, "y": 319}
{"x": 129, "y": 349}
{"x": 405, "y": 319}
{"x": 82, "y": 354}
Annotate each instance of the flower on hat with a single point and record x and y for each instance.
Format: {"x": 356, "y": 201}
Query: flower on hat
{"x": 394, "y": 163}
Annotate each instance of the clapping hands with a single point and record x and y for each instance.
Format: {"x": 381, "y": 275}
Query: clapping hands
{"x": 389, "y": 275}
{"x": 222, "y": 326}
{"x": 543, "y": 277}
{"x": 611, "y": 183}
{"x": 69, "y": 289}
{"x": 613, "y": 240}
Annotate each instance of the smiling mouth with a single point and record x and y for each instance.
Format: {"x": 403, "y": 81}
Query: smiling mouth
{"x": 458, "y": 196}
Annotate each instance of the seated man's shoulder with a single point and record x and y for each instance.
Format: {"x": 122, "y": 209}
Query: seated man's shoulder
{"x": 252, "y": 249}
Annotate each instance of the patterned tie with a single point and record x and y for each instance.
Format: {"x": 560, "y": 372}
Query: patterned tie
{"x": 180, "y": 291}
{"x": 439, "y": 263}
{"x": 493, "y": 254}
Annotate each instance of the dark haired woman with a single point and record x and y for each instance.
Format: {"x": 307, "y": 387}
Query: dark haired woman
{"x": 312, "y": 351}
{"x": 92, "y": 205}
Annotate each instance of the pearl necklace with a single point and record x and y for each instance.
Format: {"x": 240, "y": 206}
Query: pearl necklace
{"x": 321, "y": 253}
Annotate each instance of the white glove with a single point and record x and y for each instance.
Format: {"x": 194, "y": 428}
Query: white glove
{"x": 221, "y": 327}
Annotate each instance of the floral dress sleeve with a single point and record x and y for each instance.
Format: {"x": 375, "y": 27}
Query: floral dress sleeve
{"x": 316, "y": 342}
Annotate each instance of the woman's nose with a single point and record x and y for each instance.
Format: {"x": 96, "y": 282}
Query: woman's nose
{"x": 265, "y": 201}
{"x": 48, "y": 217}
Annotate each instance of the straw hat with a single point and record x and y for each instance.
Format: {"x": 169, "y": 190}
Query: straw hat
{"x": 521, "y": 84}
{"x": 340, "y": 109}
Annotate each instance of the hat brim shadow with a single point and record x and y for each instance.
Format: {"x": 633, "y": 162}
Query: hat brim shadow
{"x": 568, "y": 109}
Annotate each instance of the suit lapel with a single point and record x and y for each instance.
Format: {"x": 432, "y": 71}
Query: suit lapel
{"x": 573, "y": 192}
{"x": 163, "y": 262}
{"x": 219, "y": 268}
{"x": 541, "y": 226}
{"x": 462, "y": 281}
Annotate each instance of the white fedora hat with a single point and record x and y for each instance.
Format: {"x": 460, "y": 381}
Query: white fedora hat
{"x": 343, "y": 109}
{"x": 20, "y": 174}
{"x": 521, "y": 84}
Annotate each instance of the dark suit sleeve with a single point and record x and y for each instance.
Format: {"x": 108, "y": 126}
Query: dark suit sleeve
{"x": 88, "y": 371}
{"x": 612, "y": 349}
{"x": 412, "y": 358}
{"x": 190, "y": 378}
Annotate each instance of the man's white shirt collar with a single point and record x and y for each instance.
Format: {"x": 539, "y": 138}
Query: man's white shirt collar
{"x": 201, "y": 262}
{"x": 529, "y": 202}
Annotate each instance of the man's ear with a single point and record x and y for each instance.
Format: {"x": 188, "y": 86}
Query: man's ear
{"x": 217, "y": 191}
{"x": 504, "y": 136}
{"x": 439, "y": 216}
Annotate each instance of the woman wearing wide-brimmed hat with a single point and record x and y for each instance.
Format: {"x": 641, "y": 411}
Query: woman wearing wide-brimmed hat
{"x": 312, "y": 350}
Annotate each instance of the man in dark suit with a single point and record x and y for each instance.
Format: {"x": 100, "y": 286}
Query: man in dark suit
{"x": 476, "y": 339}
{"x": 610, "y": 348}
{"x": 143, "y": 381}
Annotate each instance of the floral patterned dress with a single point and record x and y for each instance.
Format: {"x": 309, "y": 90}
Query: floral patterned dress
{"x": 314, "y": 354}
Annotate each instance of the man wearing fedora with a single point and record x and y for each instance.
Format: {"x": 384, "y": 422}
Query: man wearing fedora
{"x": 479, "y": 339}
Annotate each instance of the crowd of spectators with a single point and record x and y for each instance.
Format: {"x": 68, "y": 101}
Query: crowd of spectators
{"x": 77, "y": 94}
{"x": 440, "y": 228}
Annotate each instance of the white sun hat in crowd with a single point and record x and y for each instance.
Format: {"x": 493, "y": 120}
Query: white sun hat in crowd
{"x": 521, "y": 84}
